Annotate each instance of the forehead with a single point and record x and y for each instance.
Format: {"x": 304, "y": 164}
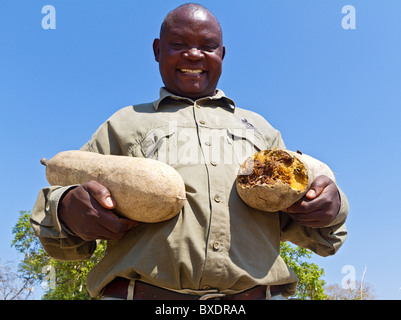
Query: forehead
{"x": 192, "y": 23}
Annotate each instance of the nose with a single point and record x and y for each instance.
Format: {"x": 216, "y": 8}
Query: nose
{"x": 193, "y": 54}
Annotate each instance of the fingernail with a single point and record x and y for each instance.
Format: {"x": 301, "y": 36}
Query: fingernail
{"x": 109, "y": 202}
{"x": 311, "y": 193}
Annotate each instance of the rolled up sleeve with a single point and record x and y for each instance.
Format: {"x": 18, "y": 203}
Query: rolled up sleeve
{"x": 323, "y": 241}
{"x": 56, "y": 239}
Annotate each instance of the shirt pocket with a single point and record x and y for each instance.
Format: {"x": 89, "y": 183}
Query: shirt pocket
{"x": 157, "y": 143}
{"x": 244, "y": 143}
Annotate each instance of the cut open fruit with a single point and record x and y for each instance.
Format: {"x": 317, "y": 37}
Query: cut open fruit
{"x": 269, "y": 166}
{"x": 274, "y": 179}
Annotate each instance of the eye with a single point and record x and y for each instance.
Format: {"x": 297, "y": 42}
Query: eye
{"x": 177, "y": 45}
{"x": 209, "y": 45}
{"x": 208, "y": 48}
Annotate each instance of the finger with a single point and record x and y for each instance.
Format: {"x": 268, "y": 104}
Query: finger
{"x": 304, "y": 217}
{"x": 100, "y": 234}
{"x": 306, "y": 206}
{"x": 315, "y": 219}
{"x": 302, "y": 206}
{"x": 317, "y": 187}
{"x": 109, "y": 231}
{"x": 128, "y": 224}
{"x": 104, "y": 233}
{"x": 115, "y": 224}
{"x": 100, "y": 193}
{"x": 310, "y": 202}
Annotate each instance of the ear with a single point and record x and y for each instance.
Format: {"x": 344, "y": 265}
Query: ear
{"x": 224, "y": 53}
{"x": 156, "y": 49}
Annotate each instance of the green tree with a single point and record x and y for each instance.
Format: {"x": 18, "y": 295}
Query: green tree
{"x": 67, "y": 280}
{"x": 310, "y": 285}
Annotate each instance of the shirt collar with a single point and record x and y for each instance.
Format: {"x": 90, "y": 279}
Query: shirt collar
{"x": 219, "y": 95}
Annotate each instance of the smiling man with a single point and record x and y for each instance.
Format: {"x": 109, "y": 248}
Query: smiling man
{"x": 190, "y": 52}
{"x": 217, "y": 246}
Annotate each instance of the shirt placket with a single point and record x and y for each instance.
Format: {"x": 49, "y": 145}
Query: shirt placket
{"x": 217, "y": 242}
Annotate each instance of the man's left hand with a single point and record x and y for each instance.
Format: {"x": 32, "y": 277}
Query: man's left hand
{"x": 319, "y": 207}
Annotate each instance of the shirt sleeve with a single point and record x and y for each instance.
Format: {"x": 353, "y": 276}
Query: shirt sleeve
{"x": 323, "y": 241}
{"x": 57, "y": 240}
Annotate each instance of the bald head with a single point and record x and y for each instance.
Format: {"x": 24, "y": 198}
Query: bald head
{"x": 193, "y": 11}
{"x": 190, "y": 51}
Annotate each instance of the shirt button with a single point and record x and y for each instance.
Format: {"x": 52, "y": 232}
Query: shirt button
{"x": 208, "y": 143}
{"x": 216, "y": 245}
{"x": 206, "y": 287}
{"x": 213, "y": 163}
{"x": 202, "y": 122}
{"x": 217, "y": 198}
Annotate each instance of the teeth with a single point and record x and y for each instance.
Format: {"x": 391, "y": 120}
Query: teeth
{"x": 194, "y": 71}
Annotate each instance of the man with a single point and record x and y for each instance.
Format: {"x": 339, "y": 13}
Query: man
{"x": 217, "y": 246}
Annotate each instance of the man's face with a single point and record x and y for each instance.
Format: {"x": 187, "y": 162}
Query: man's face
{"x": 190, "y": 54}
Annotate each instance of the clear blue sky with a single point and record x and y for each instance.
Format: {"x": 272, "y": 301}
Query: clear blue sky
{"x": 333, "y": 93}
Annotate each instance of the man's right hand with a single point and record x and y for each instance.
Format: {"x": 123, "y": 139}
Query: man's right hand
{"x": 87, "y": 211}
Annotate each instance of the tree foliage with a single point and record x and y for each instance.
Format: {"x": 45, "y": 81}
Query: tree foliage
{"x": 310, "y": 285}
{"x": 13, "y": 286}
{"x": 67, "y": 280}
{"x": 357, "y": 291}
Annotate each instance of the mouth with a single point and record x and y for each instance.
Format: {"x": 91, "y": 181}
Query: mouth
{"x": 192, "y": 71}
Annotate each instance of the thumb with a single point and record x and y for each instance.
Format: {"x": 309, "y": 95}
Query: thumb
{"x": 101, "y": 194}
{"x": 317, "y": 187}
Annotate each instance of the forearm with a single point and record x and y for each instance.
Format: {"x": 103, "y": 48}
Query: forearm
{"x": 55, "y": 238}
{"x": 323, "y": 241}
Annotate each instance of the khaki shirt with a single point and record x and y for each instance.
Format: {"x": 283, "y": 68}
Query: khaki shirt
{"x": 217, "y": 241}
